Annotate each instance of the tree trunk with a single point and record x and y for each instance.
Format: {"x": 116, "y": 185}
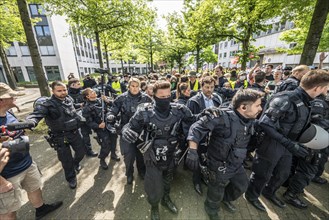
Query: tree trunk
{"x": 33, "y": 47}
{"x": 151, "y": 59}
{"x": 122, "y": 68}
{"x": 107, "y": 58}
{"x": 99, "y": 50}
{"x": 315, "y": 32}
{"x": 197, "y": 58}
{"x": 9, "y": 73}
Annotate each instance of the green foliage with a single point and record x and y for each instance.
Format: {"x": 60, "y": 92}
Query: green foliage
{"x": 208, "y": 56}
{"x": 302, "y": 23}
{"x": 10, "y": 23}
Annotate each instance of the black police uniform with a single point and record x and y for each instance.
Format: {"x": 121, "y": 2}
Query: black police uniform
{"x": 126, "y": 104}
{"x": 197, "y": 104}
{"x": 286, "y": 116}
{"x": 159, "y": 156}
{"x": 89, "y": 83}
{"x": 230, "y": 135}
{"x": 290, "y": 84}
{"x": 93, "y": 112}
{"x": 320, "y": 116}
{"x": 63, "y": 123}
{"x": 307, "y": 168}
{"x": 85, "y": 129}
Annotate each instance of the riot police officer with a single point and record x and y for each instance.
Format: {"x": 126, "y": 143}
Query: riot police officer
{"x": 74, "y": 90}
{"x": 292, "y": 82}
{"x": 126, "y": 104}
{"x": 159, "y": 125}
{"x": 230, "y": 133}
{"x": 206, "y": 98}
{"x": 94, "y": 111}
{"x": 307, "y": 168}
{"x": 320, "y": 116}
{"x": 63, "y": 122}
{"x": 286, "y": 116}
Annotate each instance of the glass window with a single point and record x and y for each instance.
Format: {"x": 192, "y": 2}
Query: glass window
{"x": 34, "y": 9}
{"x": 114, "y": 70}
{"x": 47, "y": 50}
{"x": 39, "y": 31}
{"x": 224, "y": 54}
{"x": 220, "y": 45}
{"x": 225, "y": 45}
{"x": 53, "y": 73}
{"x": 82, "y": 52}
{"x": 25, "y": 50}
{"x": 18, "y": 74}
{"x": 46, "y": 30}
{"x": 11, "y": 51}
{"x": 31, "y": 74}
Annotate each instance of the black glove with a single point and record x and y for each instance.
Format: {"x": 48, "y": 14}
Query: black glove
{"x": 149, "y": 158}
{"x": 129, "y": 135}
{"x": 192, "y": 159}
{"x": 211, "y": 112}
{"x": 299, "y": 150}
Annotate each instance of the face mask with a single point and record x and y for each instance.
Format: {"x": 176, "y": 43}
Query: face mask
{"x": 241, "y": 78}
{"x": 163, "y": 104}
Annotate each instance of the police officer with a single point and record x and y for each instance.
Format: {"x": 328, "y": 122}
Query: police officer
{"x": 286, "y": 116}
{"x": 206, "y": 98}
{"x": 74, "y": 90}
{"x": 126, "y": 104}
{"x": 88, "y": 82}
{"x": 158, "y": 123}
{"x": 63, "y": 122}
{"x": 320, "y": 116}
{"x": 230, "y": 133}
{"x": 94, "y": 111}
{"x": 307, "y": 168}
{"x": 292, "y": 82}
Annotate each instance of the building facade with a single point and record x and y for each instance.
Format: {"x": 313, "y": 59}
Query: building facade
{"x": 62, "y": 51}
{"x": 270, "y": 41}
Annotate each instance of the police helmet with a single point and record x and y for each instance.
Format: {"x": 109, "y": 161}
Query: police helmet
{"x": 39, "y": 101}
{"x": 315, "y": 137}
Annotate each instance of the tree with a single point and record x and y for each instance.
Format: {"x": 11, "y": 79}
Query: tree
{"x": 95, "y": 17}
{"x": 208, "y": 56}
{"x": 11, "y": 30}
{"x": 33, "y": 47}
{"x": 315, "y": 31}
{"x": 304, "y": 26}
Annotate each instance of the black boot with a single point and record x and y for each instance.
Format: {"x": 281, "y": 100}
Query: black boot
{"x": 230, "y": 207}
{"x": 130, "y": 179}
{"x": 155, "y": 215}
{"x": 103, "y": 164}
{"x": 91, "y": 153}
{"x": 293, "y": 199}
{"x": 319, "y": 180}
{"x": 46, "y": 208}
{"x": 166, "y": 201}
{"x": 73, "y": 183}
{"x": 115, "y": 157}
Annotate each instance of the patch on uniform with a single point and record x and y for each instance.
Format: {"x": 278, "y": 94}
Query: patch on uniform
{"x": 167, "y": 128}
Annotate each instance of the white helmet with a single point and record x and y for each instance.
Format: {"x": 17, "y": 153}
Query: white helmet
{"x": 315, "y": 137}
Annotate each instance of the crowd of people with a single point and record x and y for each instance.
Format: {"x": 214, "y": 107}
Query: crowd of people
{"x": 218, "y": 123}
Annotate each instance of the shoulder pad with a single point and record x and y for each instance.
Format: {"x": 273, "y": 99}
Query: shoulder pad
{"x": 40, "y": 100}
{"x": 281, "y": 103}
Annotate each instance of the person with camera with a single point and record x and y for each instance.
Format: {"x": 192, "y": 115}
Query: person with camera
{"x": 19, "y": 172}
{"x": 230, "y": 131}
{"x": 126, "y": 104}
{"x": 286, "y": 117}
{"x": 94, "y": 111}
{"x": 63, "y": 123}
{"x": 75, "y": 90}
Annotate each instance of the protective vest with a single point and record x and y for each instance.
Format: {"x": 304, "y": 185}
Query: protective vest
{"x": 94, "y": 109}
{"x": 232, "y": 83}
{"x": 298, "y": 117}
{"x": 129, "y": 105}
{"x": 117, "y": 87}
{"x": 229, "y": 145}
{"x": 62, "y": 116}
{"x": 289, "y": 84}
{"x": 164, "y": 132}
{"x": 320, "y": 112}
{"x": 196, "y": 85}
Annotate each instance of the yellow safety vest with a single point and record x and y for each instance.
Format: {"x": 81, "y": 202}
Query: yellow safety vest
{"x": 117, "y": 87}
{"x": 232, "y": 83}
{"x": 196, "y": 85}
